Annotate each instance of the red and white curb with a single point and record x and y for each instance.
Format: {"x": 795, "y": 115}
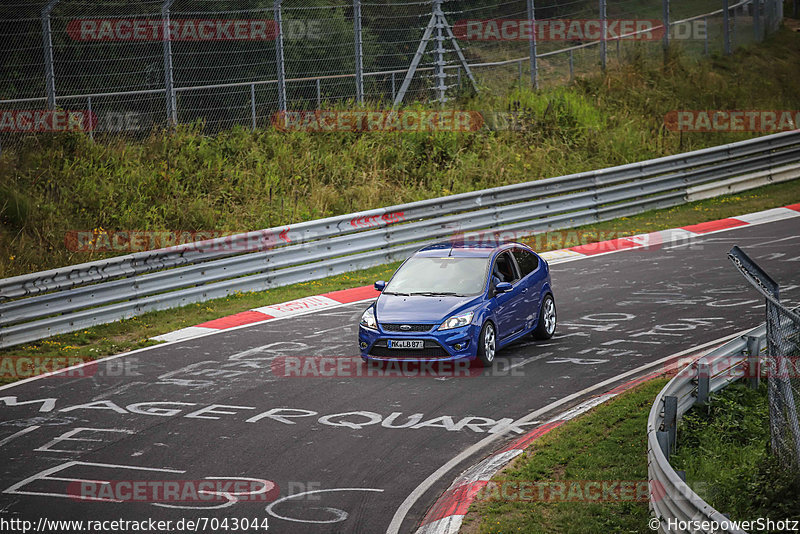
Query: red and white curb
{"x": 651, "y": 240}
{"x": 274, "y": 311}
{"x": 447, "y": 514}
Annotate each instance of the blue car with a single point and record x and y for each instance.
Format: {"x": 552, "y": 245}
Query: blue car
{"x": 459, "y": 300}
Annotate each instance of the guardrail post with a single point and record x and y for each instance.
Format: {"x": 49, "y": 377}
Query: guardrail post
{"x": 604, "y": 42}
{"x": 279, "y": 61}
{"x": 671, "y": 420}
{"x": 703, "y": 380}
{"x": 663, "y": 442}
{"x": 49, "y": 72}
{"x": 726, "y": 28}
{"x": 359, "y": 51}
{"x": 169, "y": 86}
{"x": 753, "y": 362}
{"x": 532, "y": 45}
{"x": 665, "y": 15}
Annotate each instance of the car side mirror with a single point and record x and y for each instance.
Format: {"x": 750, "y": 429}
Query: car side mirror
{"x": 502, "y": 287}
{"x": 380, "y": 285}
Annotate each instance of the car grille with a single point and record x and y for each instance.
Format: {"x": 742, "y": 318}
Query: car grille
{"x": 431, "y": 350}
{"x": 395, "y": 327}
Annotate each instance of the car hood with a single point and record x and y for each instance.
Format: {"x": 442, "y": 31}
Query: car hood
{"x": 419, "y": 309}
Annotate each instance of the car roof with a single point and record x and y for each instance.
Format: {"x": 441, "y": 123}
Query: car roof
{"x": 464, "y": 249}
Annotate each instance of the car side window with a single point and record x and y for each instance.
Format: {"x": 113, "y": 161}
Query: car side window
{"x": 504, "y": 269}
{"x": 527, "y": 261}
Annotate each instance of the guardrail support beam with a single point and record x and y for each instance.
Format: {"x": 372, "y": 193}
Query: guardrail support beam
{"x": 703, "y": 380}
{"x": 663, "y": 442}
{"x": 671, "y": 420}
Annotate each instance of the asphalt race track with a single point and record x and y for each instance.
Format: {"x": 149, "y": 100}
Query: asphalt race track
{"x": 228, "y": 415}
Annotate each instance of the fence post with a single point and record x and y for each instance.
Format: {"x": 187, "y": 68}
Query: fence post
{"x": 49, "y": 72}
{"x": 571, "y": 66}
{"x": 279, "y": 64}
{"x": 169, "y": 86}
{"x": 253, "y": 106}
{"x": 753, "y": 362}
{"x": 756, "y": 7}
{"x": 394, "y": 87}
{"x": 359, "y": 51}
{"x": 705, "y": 36}
{"x": 733, "y": 28}
{"x": 726, "y": 30}
{"x": 532, "y": 46}
{"x": 91, "y": 121}
{"x": 604, "y": 42}
{"x": 439, "y": 55}
{"x": 319, "y": 94}
{"x": 665, "y": 16}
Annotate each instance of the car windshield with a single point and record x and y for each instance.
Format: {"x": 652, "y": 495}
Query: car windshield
{"x": 439, "y": 276}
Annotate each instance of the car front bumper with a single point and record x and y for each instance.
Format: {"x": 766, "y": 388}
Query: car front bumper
{"x": 439, "y": 345}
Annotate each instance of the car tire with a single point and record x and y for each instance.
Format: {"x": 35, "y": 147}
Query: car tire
{"x": 547, "y": 319}
{"x": 487, "y": 344}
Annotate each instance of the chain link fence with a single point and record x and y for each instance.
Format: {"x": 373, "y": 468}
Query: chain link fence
{"x": 237, "y": 62}
{"x": 783, "y": 350}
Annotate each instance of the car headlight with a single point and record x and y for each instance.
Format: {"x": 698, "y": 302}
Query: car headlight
{"x": 462, "y": 319}
{"x": 368, "y": 319}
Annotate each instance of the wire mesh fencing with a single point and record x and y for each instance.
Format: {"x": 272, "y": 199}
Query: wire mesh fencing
{"x": 131, "y": 66}
{"x": 783, "y": 349}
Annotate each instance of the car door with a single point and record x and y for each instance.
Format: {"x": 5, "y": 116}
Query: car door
{"x": 510, "y": 305}
{"x": 532, "y": 281}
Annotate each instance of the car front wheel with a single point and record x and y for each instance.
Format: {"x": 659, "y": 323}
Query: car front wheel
{"x": 547, "y": 319}
{"x": 487, "y": 345}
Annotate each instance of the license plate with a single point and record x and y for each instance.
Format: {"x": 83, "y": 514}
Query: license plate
{"x": 406, "y": 344}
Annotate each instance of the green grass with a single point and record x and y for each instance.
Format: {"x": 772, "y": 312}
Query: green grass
{"x": 724, "y": 449}
{"x": 240, "y": 180}
{"x": 609, "y": 443}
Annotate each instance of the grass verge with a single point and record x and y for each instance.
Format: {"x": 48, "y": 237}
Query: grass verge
{"x": 607, "y": 444}
{"x": 134, "y": 333}
{"x": 724, "y": 450}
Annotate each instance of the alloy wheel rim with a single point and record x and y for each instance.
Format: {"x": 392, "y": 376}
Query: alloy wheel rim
{"x": 549, "y": 316}
{"x": 488, "y": 343}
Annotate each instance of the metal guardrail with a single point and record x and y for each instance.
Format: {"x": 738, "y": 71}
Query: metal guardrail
{"x": 38, "y": 305}
{"x": 671, "y": 497}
